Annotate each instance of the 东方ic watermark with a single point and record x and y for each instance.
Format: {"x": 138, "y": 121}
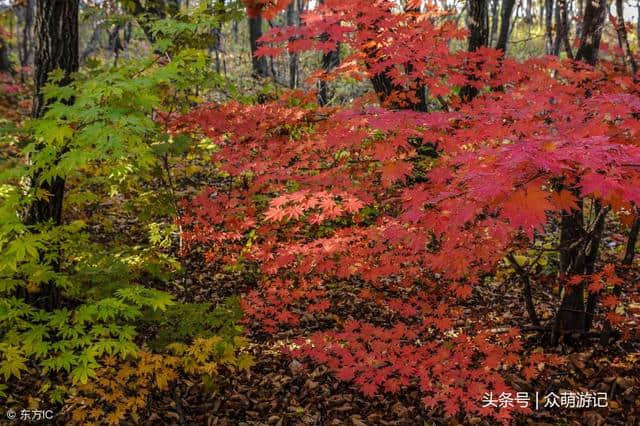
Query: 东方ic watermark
{"x": 29, "y": 415}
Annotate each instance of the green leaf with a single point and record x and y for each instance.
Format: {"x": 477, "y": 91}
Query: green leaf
{"x": 13, "y": 363}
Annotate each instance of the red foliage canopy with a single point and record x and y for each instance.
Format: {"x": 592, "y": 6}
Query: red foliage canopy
{"x": 325, "y": 197}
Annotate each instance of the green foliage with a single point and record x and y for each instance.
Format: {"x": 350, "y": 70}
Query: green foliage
{"x": 106, "y": 135}
{"x": 186, "y": 321}
{"x": 71, "y": 341}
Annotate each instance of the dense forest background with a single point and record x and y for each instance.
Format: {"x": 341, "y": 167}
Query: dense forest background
{"x": 319, "y": 212}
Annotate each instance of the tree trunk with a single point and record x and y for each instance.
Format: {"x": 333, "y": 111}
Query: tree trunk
{"x": 115, "y": 43}
{"x": 528, "y": 16}
{"x": 630, "y": 251}
{"x": 503, "y": 38}
{"x": 566, "y": 29}
{"x": 594, "y": 18}
{"x": 494, "y": 21}
{"x": 217, "y": 32}
{"x": 548, "y": 25}
{"x": 259, "y": 64}
{"x": 515, "y": 19}
{"x": 56, "y": 48}
{"x": 330, "y": 60}
{"x": 579, "y": 248}
{"x": 26, "y": 47}
{"x": 580, "y": 14}
{"x": 562, "y": 29}
{"x": 579, "y": 252}
{"x": 5, "y": 63}
{"x": 571, "y": 315}
{"x": 478, "y": 23}
{"x": 590, "y": 261}
{"x": 623, "y": 40}
{"x": 293, "y": 21}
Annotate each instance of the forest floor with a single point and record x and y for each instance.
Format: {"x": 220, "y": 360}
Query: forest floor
{"x": 280, "y": 390}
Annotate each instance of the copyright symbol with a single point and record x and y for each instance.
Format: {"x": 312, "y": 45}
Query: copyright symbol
{"x": 11, "y": 414}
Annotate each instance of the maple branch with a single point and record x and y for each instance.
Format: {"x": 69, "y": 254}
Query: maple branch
{"x": 526, "y": 290}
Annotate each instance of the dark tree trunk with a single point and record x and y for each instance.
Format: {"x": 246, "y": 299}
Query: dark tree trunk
{"x": 115, "y": 43}
{"x": 292, "y": 21}
{"x": 330, "y": 60}
{"x": 5, "y": 63}
{"x": 128, "y": 30}
{"x": 217, "y": 32}
{"x": 548, "y": 25}
{"x": 594, "y": 18}
{"x": 526, "y": 290}
{"x": 503, "y": 38}
{"x": 384, "y": 85}
{"x": 571, "y": 315}
{"x": 579, "y": 248}
{"x": 579, "y": 252}
{"x": 478, "y": 24}
{"x": 56, "y": 48}
{"x": 56, "y": 45}
{"x": 259, "y": 64}
{"x": 630, "y": 251}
